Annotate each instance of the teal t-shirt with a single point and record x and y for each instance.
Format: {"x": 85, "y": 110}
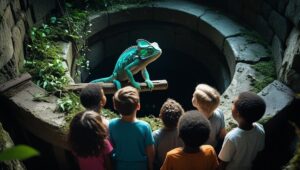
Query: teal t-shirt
{"x": 130, "y": 140}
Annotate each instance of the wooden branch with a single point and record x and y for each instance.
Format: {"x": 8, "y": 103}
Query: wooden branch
{"x": 14, "y": 82}
{"x": 109, "y": 88}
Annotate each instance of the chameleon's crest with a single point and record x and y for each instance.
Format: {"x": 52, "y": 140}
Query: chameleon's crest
{"x": 143, "y": 43}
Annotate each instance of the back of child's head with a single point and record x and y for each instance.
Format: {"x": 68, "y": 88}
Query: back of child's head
{"x": 250, "y": 106}
{"x": 170, "y": 113}
{"x": 126, "y": 100}
{"x": 194, "y": 128}
{"x": 206, "y": 97}
{"x": 90, "y": 96}
{"x": 86, "y": 134}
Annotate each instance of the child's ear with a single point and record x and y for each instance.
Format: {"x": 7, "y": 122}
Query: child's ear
{"x": 138, "y": 107}
{"x": 103, "y": 101}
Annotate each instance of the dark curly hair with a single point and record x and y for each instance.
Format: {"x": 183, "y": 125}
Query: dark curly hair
{"x": 86, "y": 134}
{"x": 250, "y": 106}
{"x": 170, "y": 113}
{"x": 194, "y": 128}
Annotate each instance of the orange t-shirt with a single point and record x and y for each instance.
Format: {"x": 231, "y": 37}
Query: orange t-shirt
{"x": 176, "y": 159}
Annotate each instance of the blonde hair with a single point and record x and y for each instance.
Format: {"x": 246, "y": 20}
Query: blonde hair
{"x": 207, "y": 97}
{"x": 126, "y": 100}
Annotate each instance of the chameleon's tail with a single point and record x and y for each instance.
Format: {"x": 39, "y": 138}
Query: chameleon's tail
{"x": 104, "y": 80}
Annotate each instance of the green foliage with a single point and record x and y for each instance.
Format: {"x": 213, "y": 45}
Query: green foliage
{"x": 109, "y": 114}
{"x": 102, "y": 4}
{"x": 19, "y": 152}
{"x": 154, "y": 122}
{"x": 70, "y": 103}
{"x": 44, "y": 62}
{"x": 266, "y": 68}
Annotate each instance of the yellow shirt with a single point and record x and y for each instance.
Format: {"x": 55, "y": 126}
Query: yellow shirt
{"x": 176, "y": 159}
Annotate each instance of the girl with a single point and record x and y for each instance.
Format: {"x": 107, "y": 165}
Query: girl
{"x": 87, "y": 139}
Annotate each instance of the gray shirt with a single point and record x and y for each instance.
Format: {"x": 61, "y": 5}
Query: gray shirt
{"x": 217, "y": 123}
{"x": 164, "y": 141}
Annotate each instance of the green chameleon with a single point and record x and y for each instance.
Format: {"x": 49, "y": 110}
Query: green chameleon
{"x": 131, "y": 61}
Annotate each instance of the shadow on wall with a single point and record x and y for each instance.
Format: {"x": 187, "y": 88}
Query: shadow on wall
{"x": 281, "y": 139}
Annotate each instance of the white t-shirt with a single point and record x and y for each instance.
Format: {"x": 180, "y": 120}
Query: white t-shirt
{"x": 217, "y": 123}
{"x": 240, "y": 147}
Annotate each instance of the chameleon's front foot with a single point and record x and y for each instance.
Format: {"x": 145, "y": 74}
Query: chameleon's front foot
{"x": 149, "y": 84}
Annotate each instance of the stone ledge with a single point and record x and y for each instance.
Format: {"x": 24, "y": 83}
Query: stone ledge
{"x": 40, "y": 118}
{"x": 277, "y": 96}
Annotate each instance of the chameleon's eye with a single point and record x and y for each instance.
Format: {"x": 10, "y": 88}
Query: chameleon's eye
{"x": 143, "y": 52}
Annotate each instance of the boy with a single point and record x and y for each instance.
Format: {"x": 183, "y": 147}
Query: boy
{"x": 242, "y": 144}
{"x": 206, "y": 99}
{"x": 92, "y": 97}
{"x": 194, "y": 130}
{"x": 131, "y": 138}
{"x": 167, "y": 138}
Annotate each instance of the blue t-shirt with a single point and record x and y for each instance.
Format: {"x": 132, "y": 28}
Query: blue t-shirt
{"x": 130, "y": 140}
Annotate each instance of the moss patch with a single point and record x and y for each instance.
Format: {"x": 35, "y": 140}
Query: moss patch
{"x": 267, "y": 69}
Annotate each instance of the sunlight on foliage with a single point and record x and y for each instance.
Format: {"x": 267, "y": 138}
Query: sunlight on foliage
{"x": 19, "y": 152}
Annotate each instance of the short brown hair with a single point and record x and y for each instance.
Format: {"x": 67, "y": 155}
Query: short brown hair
{"x": 126, "y": 100}
{"x": 207, "y": 97}
{"x": 170, "y": 113}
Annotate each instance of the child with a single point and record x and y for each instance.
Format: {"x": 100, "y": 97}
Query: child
{"x": 167, "y": 138}
{"x": 242, "y": 144}
{"x": 194, "y": 130}
{"x": 206, "y": 99}
{"x": 87, "y": 139}
{"x": 132, "y": 138}
{"x": 92, "y": 98}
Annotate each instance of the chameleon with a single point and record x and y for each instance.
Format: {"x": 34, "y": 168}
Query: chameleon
{"x": 131, "y": 61}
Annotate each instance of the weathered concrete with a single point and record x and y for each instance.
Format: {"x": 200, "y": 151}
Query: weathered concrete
{"x": 40, "y": 118}
{"x": 130, "y": 14}
{"x": 216, "y": 27}
{"x": 264, "y": 29}
{"x": 280, "y": 25}
{"x": 99, "y": 21}
{"x": 277, "y": 51}
{"x": 18, "y": 48}
{"x": 277, "y": 96}
{"x": 293, "y": 11}
{"x": 242, "y": 81}
{"x": 6, "y": 49}
{"x": 290, "y": 70}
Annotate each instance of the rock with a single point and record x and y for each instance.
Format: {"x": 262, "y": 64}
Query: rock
{"x": 18, "y": 48}
{"x": 264, "y": 29}
{"x": 293, "y": 11}
{"x": 277, "y": 51}
{"x": 277, "y": 96}
{"x": 290, "y": 68}
{"x": 6, "y": 142}
{"x": 6, "y": 49}
{"x": 216, "y": 27}
{"x": 242, "y": 81}
{"x": 280, "y": 25}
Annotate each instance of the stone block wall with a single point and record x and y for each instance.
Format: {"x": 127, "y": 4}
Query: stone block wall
{"x": 278, "y": 22}
{"x": 16, "y": 17}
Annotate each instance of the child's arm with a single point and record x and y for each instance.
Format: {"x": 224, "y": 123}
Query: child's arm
{"x": 150, "y": 155}
{"x": 222, "y": 133}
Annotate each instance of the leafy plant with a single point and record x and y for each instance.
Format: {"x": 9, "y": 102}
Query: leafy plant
{"x": 69, "y": 103}
{"x": 19, "y": 152}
